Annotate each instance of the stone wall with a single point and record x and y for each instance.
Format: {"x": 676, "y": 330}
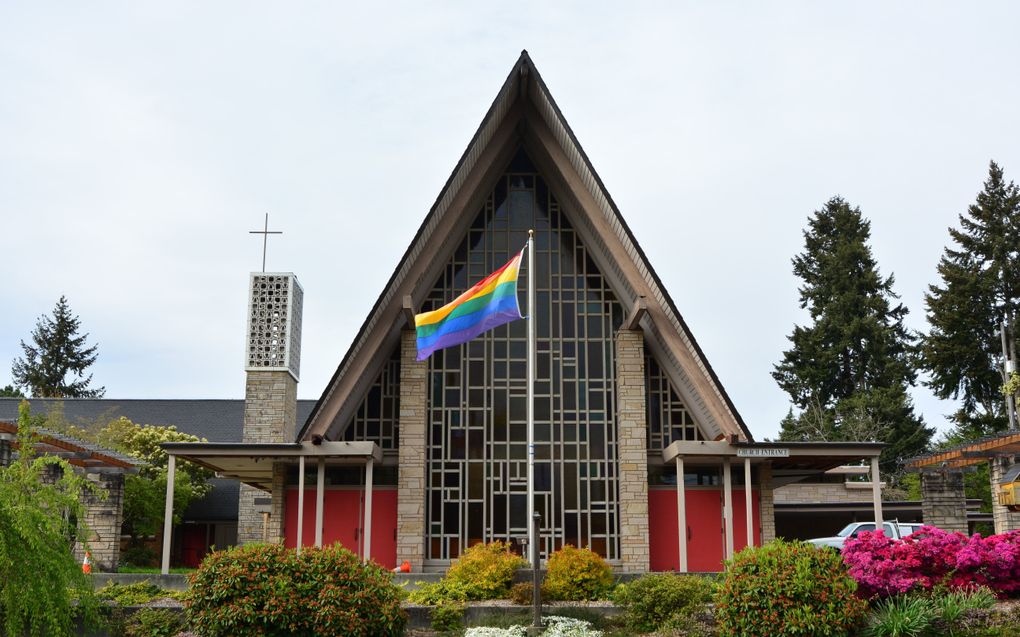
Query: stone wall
{"x": 270, "y": 414}
{"x": 5, "y": 453}
{"x": 633, "y": 452}
{"x": 767, "y": 500}
{"x": 943, "y": 501}
{"x": 103, "y": 516}
{"x": 808, "y": 492}
{"x": 1005, "y": 520}
{"x": 411, "y": 472}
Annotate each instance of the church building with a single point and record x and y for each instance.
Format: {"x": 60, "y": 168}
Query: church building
{"x": 640, "y": 454}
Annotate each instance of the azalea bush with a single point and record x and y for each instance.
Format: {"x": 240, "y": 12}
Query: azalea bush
{"x": 933, "y": 557}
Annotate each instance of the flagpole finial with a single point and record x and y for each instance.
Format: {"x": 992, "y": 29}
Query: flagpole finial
{"x": 531, "y": 234}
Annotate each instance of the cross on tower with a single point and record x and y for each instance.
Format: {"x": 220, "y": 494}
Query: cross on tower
{"x": 265, "y": 232}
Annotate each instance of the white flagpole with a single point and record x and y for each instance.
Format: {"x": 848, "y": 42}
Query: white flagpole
{"x": 532, "y": 530}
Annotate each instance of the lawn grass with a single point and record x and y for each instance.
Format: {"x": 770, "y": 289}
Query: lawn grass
{"x": 154, "y": 570}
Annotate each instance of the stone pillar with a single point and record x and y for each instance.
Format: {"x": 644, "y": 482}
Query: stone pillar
{"x": 270, "y": 412}
{"x": 1005, "y": 520}
{"x": 5, "y": 452}
{"x": 103, "y": 518}
{"x": 943, "y": 501}
{"x": 767, "y": 504}
{"x": 632, "y": 444}
{"x": 411, "y": 470}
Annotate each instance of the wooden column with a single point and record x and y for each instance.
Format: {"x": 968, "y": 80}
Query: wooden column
{"x": 320, "y": 488}
{"x": 367, "y": 527}
{"x": 300, "y": 503}
{"x": 168, "y": 512}
{"x": 681, "y": 512}
{"x": 876, "y": 493}
{"x": 748, "y": 502}
{"x": 728, "y": 506}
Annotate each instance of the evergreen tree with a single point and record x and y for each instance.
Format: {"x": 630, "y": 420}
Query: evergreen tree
{"x": 57, "y": 351}
{"x": 980, "y": 284}
{"x": 848, "y": 372}
{"x": 10, "y": 391}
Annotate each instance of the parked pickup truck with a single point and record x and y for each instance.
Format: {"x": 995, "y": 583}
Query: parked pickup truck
{"x": 894, "y": 530}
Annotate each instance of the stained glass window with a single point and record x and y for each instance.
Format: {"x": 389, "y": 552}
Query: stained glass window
{"x": 477, "y": 418}
{"x": 667, "y": 416}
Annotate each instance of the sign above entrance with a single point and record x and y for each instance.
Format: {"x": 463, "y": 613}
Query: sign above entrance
{"x": 762, "y": 452}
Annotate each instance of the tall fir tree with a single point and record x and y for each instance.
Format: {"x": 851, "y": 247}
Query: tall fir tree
{"x": 847, "y": 373}
{"x": 979, "y": 286}
{"x": 56, "y": 352}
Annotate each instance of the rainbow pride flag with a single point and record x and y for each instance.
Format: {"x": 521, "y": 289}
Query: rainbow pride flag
{"x": 487, "y": 304}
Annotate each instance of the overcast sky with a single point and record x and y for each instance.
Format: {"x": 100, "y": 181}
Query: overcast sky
{"x": 140, "y": 142}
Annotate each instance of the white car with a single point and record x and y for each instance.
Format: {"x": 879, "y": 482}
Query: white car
{"x": 895, "y": 530}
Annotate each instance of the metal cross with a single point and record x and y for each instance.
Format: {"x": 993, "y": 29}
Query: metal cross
{"x": 265, "y": 232}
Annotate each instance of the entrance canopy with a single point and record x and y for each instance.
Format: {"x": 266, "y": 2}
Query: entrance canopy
{"x": 790, "y": 461}
{"x": 971, "y": 453}
{"x": 252, "y": 463}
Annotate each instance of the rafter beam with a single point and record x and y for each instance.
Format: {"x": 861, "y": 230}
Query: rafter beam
{"x": 637, "y": 312}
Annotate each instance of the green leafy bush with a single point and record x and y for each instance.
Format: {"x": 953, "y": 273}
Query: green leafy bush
{"x": 135, "y": 594}
{"x": 447, "y": 617}
{"x": 653, "y": 601}
{"x": 484, "y": 571}
{"x": 266, "y": 589}
{"x": 574, "y": 574}
{"x": 436, "y": 593}
{"x": 154, "y": 622}
{"x": 787, "y": 588}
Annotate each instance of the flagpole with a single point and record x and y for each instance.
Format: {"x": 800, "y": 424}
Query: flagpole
{"x": 532, "y": 530}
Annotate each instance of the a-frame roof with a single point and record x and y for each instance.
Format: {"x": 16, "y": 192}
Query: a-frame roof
{"x": 525, "y": 114}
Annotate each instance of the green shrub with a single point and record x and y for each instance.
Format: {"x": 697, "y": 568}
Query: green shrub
{"x": 950, "y": 606}
{"x": 654, "y": 600}
{"x": 266, "y": 589}
{"x": 574, "y": 574}
{"x": 485, "y": 571}
{"x": 447, "y": 617}
{"x": 901, "y": 616}
{"x": 135, "y": 594}
{"x": 787, "y": 588}
{"x": 154, "y": 622}
{"x": 436, "y": 593}
{"x": 139, "y": 555}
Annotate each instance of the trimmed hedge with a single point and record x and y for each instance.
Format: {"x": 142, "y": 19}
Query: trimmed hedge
{"x": 574, "y": 574}
{"x": 266, "y": 589}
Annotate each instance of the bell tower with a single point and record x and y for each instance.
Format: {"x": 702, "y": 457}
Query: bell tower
{"x": 272, "y": 366}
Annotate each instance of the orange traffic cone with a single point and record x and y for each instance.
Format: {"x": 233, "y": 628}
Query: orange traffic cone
{"x": 86, "y": 564}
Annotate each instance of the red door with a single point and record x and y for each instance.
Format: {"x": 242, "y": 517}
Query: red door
{"x": 194, "y": 544}
{"x": 343, "y": 512}
{"x": 740, "y": 519}
{"x": 704, "y": 530}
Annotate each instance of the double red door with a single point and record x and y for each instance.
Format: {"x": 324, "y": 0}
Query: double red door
{"x": 705, "y": 532}
{"x": 343, "y": 521}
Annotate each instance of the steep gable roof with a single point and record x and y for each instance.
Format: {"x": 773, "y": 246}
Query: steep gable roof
{"x": 525, "y": 114}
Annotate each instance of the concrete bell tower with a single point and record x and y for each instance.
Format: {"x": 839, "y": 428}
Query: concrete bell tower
{"x": 272, "y": 366}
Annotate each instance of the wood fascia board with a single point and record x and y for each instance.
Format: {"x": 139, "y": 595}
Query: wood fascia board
{"x": 620, "y": 266}
{"x": 425, "y": 259}
{"x": 956, "y": 457}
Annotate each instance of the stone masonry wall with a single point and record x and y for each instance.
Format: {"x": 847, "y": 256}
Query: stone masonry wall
{"x": 103, "y": 518}
{"x": 805, "y": 492}
{"x": 633, "y": 452}
{"x": 411, "y": 471}
{"x": 943, "y": 501}
{"x": 5, "y": 453}
{"x": 270, "y": 415}
{"x": 767, "y": 503}
{"x": 1004, "y": 519}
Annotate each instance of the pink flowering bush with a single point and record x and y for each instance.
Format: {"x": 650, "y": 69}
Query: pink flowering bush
{"x": 883, "y": 566}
